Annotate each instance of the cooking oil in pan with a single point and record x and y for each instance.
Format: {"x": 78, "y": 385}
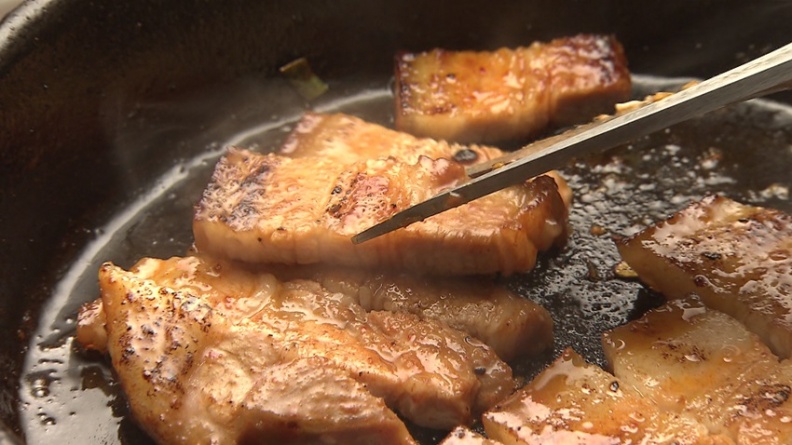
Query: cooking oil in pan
{"x": 744, "y": 152}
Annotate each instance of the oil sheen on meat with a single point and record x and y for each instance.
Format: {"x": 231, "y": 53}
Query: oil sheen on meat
{"x": 704, "y": 364}
{"x": 682, "y": 374}
{"x": 573, "y": 402}
{"x": 304, "y": 210}
{"x": 737, "y": 258}
{"x": 511, "y": 325}
{"x": 208, "y": 351}
{"x": 509, "y": 94}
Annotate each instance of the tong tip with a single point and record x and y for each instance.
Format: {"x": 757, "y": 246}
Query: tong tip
{"x": 374, "y": 231}
{"x": 382, "y": 228}
{"x": 404, "y": 218}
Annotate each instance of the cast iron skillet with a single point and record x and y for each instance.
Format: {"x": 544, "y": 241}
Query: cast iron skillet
{"x": 112, "y": 113}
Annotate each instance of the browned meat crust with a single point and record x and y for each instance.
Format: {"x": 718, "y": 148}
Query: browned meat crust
{"x": 703, "y": 364}
{"x": 683, "y": 374}
{"x": 226, "y": 334}
{"x": 276, "y": 209}
{"x": 737, "y": 258}
{"x": 511, "y": 325}
{"x": 573, "y": 402}
{"x": 507, "y": 94}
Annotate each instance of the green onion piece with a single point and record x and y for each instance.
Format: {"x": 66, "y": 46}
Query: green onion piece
{"x": 303, "y": 79}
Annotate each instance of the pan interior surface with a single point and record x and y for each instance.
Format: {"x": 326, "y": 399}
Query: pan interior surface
{"x": 742, "y": 152}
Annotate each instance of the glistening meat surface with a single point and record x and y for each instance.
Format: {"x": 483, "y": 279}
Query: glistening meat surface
{"x": 513, "y": 326}
{"x": 736, "y": 257}
{"x": 574, "y": 402}
{"x": 480, "y": 96}
{"x": 682, "y": 374}
{"x": 171, "y": 323}
{"x": 704, "y": 364}
{"x": 304, "y": 210}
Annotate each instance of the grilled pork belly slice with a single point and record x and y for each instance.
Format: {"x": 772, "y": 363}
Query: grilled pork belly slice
{"x": 573, "y": 402}
{"x": 432, "y": 374}
{"x": 511, "y": 325}
{"x": 737, "y": 258}
{"x": 508, "y": 94}
{"x": 193, "y": 376}
{"x": 275, "y": 209}
{"x": 706, "y": 365}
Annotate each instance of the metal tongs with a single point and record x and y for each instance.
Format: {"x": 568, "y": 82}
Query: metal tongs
{"x": 767, "y": 74}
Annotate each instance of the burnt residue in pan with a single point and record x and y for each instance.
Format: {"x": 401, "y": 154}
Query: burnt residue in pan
{"x": 743, "y": 152}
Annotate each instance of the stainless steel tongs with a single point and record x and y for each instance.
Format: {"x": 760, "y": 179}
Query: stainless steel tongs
{"x": 767, "y": 74}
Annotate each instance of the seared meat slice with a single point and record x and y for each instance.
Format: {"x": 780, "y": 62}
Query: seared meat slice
{"x": 469, "y": 96}
{"x": 706, "y": 365}
{"x": 737, "y": 258}
{"x": 193, "y": 376}
{"x": 511, "y": 325}
{"x": 274, "y": 209}
{"x": 432, "y": 374}
{"x": 573, "y": 402}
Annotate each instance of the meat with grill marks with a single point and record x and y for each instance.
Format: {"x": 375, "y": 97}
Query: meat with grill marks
{"x": 228, "y": 334}
{"x": 304, "y": 208}
{"x": 736, "y": 257}
{"x": 508, "y": 94}
{"x": 682, "y": 374}
{"x": 706, "y": 365}
{"x": 513, "y": 326}
{"x": 574, "y": 402}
